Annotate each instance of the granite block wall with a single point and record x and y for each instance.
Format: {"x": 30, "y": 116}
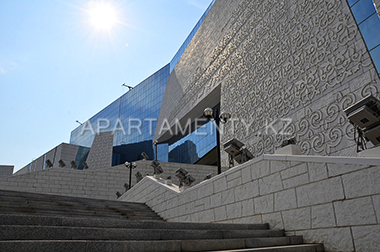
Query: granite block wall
{"x": 6, "y": 171}
{"x": 98, "y": 184}
{"x": 100, "y": 155}
{"x": 333, "y": 200}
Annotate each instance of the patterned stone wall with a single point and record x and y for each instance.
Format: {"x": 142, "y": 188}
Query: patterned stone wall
{"x": 284, "y": 66}
{"x": 377, "y": 4}
{"x": 293, "y": 65}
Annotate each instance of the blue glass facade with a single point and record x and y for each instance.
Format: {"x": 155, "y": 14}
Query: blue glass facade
{"x": 194, "y": 146}
{"x": 369, "y": 25}
{"x": 133, "y": 119}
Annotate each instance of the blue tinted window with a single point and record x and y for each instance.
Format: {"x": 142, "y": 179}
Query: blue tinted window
{"x": 370, "y": 29}
{"x": 375, "y": 53}
{"x": 362, "y": 10}
{"x": 351, "y": 2}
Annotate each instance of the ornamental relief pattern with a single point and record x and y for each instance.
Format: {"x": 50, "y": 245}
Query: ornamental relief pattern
{"x": 298, "y": 71}
{"x": 281, "y": 59}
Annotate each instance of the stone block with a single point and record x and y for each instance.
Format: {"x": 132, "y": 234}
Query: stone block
{"x": 216, "y": 200}
{"x": 206, "y": 216}
{"x": 274, "y": 220}
{"x": 233, "y": 175}
{"x": 366, "y": 238}
{"x": 317, "y": 171}
{"x": 333, "y": 239}
{"x": 270, "y": 184}
{"x": 228, "y": 197}
{"x": 206, "y": 189}
{"x": 355, "y": 212}
{"x": 285, "y": 200}
{"x": 246, "y": 175}
{"x": 220, "y": 213}
{"x": 220, "y": 184}
{"x": 248, "y": 220}
{"x": 277, "y": 166}
{"x": 246, "y": 191}
{"x": 376, "y": 204}
{"x": 322, "y": 216}
{"x": 248, "y": 208}
{"x": 320, "y": 192}
{"x": 362, "y": 183}
{"x": 339, "y": 169}
{"x": 294, "y": 171}
{"x": 296, "y": 181}
{"x": 260, "y": 169}
{"x": 297, "y": 219}
{"x": 234, "y": 211}
{"x": 234, "y": 183}
{"x": 263, "y": 204}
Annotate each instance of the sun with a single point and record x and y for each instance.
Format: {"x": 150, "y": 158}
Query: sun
{"x": 103, "y": 15}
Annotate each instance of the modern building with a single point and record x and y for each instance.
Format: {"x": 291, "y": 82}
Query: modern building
{"x": 282, "y": 71}
{"x": 60, "y": 156}
{"x": 133, "y": 119}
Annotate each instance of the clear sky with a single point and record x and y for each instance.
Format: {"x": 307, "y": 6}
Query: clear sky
{"x": 65, "y": 60}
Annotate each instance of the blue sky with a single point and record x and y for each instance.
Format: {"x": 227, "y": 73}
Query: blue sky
{"x": 56, "y": 67}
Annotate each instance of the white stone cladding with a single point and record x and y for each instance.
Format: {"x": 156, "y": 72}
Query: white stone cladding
{"x": 333, "y": 200}
{"x": 98, "y": 184}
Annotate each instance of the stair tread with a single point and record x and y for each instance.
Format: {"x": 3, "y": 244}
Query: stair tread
{"x": 273, "y": 248}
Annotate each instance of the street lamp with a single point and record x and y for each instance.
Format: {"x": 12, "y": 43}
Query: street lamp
{"x": 155, "y": 144}
{"x": 223, "y": 117}
{"x": 131, "y": 166}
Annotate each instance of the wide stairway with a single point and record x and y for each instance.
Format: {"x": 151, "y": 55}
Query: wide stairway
{"x": 41, "y": 222}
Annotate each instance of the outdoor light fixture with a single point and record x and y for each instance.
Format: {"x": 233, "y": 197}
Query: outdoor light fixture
{"x": 73, "y": 165}
{"x": 365, "y": 116}
{"x": 139, "y": 177}
{"x": 61, "y": 163}
{"x": 48, "y": 163}
{"x": 287, "y": 142}
{"x": 157, "y": 169}
{"x": 223, "y": 117}
{"x": 237, "y": 151}
{"x": 144, "y": 155}
{"x": 131, "y": 166}
{"x": 126, "y": 186}
{"x": 79, "y": 122}
{"x": 155, "y": 145}
{"x": 85, "y": 166}
{"x": 208, "y": 176}
{"x": 118, "y": 194}
{"x": 125, "y": 85}
{"x": 185, "y": 178}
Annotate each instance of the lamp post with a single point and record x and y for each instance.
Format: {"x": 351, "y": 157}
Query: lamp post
{"x": 155, "y": 144}
{"x": 223, "y": 117}
{"x": 131, "y": 166}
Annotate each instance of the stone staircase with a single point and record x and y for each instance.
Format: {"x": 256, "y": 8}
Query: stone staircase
{"x": 40, "y": 222}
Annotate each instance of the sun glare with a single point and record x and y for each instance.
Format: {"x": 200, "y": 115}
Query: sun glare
{"x": 103, "y": 15}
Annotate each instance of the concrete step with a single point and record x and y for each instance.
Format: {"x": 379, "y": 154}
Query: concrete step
{"x": 13, "y": 219}
{"x": 151, "y": 246}
{"x": 21, "y": 232}
{"x": 76, "y": 213}
{"x": 13, "y": 202}
{"x": 291, "y": 248}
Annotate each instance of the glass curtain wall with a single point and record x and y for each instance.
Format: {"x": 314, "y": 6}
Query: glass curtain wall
{"x": 369, "y": 25}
